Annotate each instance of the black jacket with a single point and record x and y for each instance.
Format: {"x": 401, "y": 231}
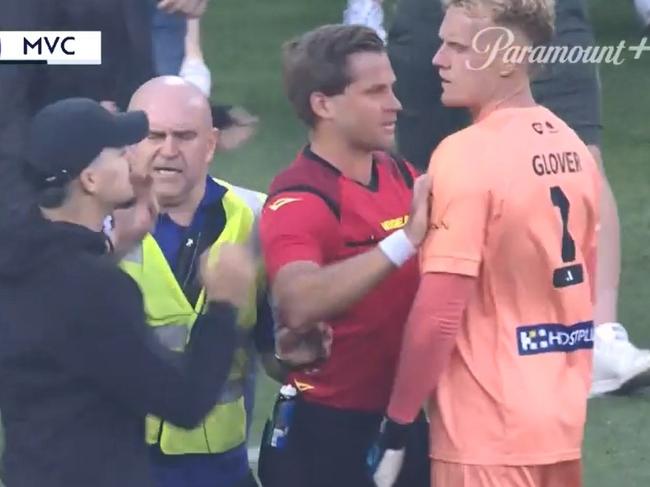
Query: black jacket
{"x": 80, "y": 369}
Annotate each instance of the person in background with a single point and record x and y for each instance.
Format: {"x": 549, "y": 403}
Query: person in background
{"x": 127, "y": 62}
{"x": 236, "y": 126}
{"x": 177, "y": 51}
{"x": 169, "y": 28}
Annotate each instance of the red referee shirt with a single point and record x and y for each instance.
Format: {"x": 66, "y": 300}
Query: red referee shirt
{"x": 314, "y": 213}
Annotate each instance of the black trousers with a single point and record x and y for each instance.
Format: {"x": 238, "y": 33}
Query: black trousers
{"x": 327, "y": 447}
{"x": 248, "y": 482}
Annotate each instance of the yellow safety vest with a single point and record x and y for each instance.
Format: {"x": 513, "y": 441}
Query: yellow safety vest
{"x": 172, "y": 316}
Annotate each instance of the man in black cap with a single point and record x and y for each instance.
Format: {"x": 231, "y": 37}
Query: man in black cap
{"x": 79, "y": 367}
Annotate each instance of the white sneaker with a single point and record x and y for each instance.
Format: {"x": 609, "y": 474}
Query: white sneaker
{"x": 618, "y": 364}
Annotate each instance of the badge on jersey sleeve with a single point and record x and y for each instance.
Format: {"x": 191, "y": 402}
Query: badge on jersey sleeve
{"x": 280, "y": 202}
{"x": 547, "y": 338}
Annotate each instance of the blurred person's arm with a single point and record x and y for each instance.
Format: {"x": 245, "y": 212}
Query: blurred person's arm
{"x": 193, "y": 39}
{"x": 191, "y": 8}
{"x": 193, "y": 67}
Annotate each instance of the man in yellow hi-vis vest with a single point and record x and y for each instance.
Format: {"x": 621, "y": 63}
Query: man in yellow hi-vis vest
{"x": 197, "y": 214}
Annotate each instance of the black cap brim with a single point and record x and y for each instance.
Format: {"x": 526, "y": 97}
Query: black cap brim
{"x": 129, "y": 128}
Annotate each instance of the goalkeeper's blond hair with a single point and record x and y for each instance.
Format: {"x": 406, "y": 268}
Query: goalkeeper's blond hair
{"x": 535, "y": 18}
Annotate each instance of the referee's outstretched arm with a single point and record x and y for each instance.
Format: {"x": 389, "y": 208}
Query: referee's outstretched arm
{"x": 307, "y": 293}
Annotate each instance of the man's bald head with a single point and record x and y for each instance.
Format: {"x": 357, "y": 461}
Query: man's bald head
{"x": 172, "y": 93}
{"x": 181, "y": 141}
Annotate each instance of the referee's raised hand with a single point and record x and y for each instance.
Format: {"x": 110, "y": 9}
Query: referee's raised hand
{"x": 418, "y": 223}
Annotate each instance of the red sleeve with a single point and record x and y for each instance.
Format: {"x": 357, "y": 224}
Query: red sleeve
{"x": 429, "y": 340}
{"x": 296, "y": 226}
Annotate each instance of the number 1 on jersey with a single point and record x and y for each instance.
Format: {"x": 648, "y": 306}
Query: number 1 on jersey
{"x": 572, "y": 274}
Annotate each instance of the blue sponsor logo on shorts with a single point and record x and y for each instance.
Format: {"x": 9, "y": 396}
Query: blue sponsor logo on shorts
{"x": 534, "y": 339}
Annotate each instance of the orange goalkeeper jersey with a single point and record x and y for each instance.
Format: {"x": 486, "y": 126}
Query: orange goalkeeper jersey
{"x": 516, "y": 200}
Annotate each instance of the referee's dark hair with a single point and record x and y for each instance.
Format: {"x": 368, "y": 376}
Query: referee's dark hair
{"x": 317, "y": 61}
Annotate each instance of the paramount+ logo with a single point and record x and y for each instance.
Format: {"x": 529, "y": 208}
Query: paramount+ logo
{"x": 549, "y": 338}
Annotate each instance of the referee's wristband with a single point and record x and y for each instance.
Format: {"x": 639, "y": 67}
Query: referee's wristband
{"x": 397, "y": 248}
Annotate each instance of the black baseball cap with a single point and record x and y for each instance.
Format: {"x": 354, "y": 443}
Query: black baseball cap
{"x": 66, "y": 136}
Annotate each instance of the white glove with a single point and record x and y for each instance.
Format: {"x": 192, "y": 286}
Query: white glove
{"x": 389, "y": 468}
{"x": 386, "y": 456}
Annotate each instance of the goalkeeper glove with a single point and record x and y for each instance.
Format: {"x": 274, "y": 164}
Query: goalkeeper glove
{"x": 386, "y": 456}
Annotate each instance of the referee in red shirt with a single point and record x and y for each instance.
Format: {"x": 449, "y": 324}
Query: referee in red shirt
{"x": 339, "y": 232}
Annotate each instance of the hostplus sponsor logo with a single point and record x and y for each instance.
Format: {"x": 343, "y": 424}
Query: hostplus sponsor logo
{"x": 547, "y": 338}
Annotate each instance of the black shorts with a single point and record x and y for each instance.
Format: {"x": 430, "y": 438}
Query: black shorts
{"x": 327, "y": 447}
